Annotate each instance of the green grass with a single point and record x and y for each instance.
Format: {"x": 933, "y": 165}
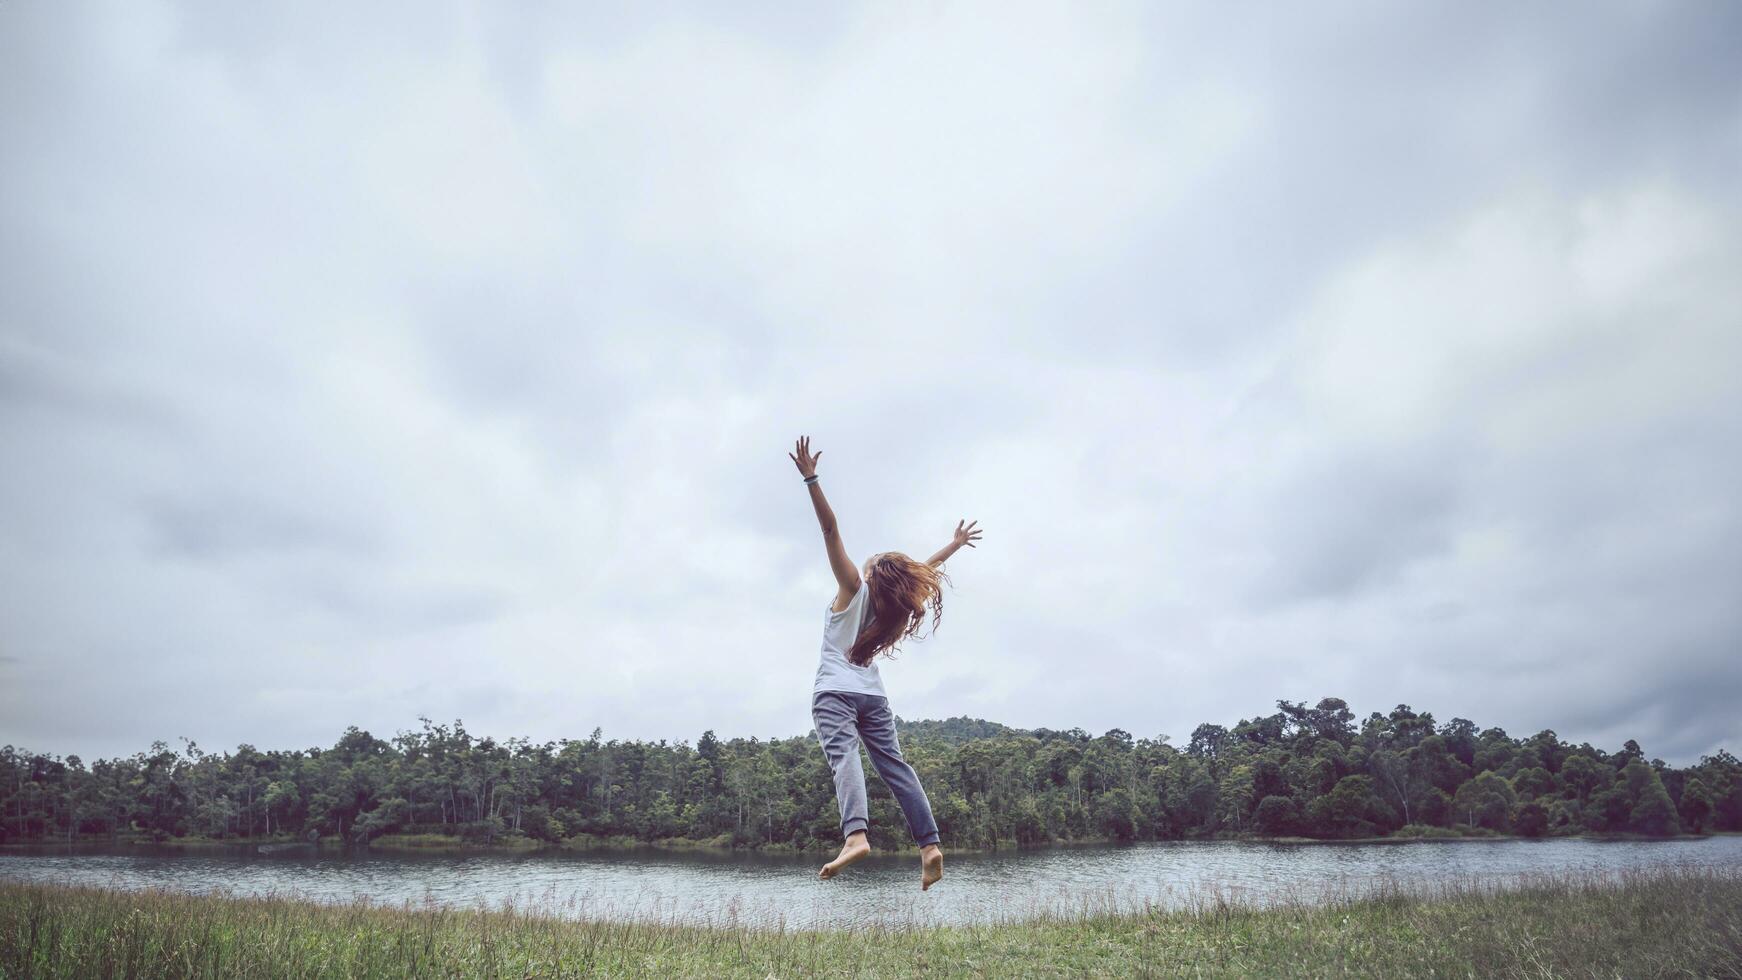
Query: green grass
{"x": 1662, "y": 923}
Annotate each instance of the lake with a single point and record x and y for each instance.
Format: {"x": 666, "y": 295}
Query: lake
{"x": 709, "y": 888}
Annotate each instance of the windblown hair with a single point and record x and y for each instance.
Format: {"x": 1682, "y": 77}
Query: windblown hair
{"x": 901, "y": 590}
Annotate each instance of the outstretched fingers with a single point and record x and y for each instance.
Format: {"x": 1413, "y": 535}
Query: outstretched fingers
{"x": 802, "y": 456}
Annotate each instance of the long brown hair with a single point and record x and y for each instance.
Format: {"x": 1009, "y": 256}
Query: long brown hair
{"x": 901, "y": 590}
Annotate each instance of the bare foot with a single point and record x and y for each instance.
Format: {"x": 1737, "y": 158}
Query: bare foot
{"x": 855, "y": 848}
{"x": 931, "y": 863}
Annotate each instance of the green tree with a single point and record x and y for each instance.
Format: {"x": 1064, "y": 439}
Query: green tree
{"x": 1696, "y": 807}
{"x": 1533, "y": 782}
{"x": 1276, "y": 816}
{"x": 1610, "y": 809}
{"x": 1581, "y": 775}
{"x": 1485, "y": 801}
{"x": 1530, "y": 819}
{"x": 1351, "y": 809}
{"x": 1654, "y": 813}
{"x": 1435, "y": 808}
{"x": 1114, "y": 815}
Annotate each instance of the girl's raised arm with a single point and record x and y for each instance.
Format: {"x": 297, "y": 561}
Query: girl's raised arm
{"x": 846, "y": 573}
{"x": 966, "y": 534}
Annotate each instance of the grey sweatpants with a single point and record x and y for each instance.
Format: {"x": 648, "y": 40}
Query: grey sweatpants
{"x": 843, "y": 720}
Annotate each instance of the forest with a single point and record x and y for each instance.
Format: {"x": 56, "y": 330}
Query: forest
{"x": 1301, "y": 771}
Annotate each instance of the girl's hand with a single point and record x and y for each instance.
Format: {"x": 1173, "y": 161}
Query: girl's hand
{"x": 807, "y": 464}
{"x": 966, "y": 535}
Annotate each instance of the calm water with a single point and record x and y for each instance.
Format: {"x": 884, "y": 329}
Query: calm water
{"x": 776, "y": 891}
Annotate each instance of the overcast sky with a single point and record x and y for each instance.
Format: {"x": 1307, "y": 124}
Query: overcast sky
{"x": 362, "y": 363}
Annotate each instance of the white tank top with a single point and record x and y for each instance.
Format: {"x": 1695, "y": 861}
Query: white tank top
{"x": 840, "y": 629}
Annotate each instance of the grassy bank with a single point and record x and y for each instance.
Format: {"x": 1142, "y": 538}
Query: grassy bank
{"x": 1679, "y": 923}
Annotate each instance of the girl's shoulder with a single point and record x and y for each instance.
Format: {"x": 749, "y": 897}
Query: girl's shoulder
{"x": 857, "y": 599}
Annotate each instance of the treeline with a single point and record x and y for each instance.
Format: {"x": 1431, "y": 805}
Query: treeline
{"x": 1302, "y": 771}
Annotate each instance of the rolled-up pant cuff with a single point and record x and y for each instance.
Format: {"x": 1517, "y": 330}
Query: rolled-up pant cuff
{"x": 928, "y": 840}
{"x": 853, "y": 826}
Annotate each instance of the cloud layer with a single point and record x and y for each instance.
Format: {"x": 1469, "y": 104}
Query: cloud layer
{"x": 357, "y": 365}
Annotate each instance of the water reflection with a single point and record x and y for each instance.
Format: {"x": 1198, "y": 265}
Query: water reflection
{"x": 781, "y": 891}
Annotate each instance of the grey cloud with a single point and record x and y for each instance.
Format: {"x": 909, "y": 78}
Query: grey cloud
{"x": 1680, "y": 714}
{"x": 220, "y": 527}
{"x": 370, "y": 339}
{"x": 35, "y": 381}
{"x": 367, "y": 607}
{"x": 1346, "y": 523}
{"x": 1383, "y": 124}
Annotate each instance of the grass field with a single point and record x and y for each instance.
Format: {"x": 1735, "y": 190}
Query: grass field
{"x": 1666, "y": 923}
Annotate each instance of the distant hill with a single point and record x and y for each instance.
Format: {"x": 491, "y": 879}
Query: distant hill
{"x": 953, "y": 731}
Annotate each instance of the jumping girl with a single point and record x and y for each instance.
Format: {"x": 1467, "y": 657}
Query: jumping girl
{"x": 870, "y": 616}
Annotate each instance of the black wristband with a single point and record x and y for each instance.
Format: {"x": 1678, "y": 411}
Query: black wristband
{"x": 811, "y": 479}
